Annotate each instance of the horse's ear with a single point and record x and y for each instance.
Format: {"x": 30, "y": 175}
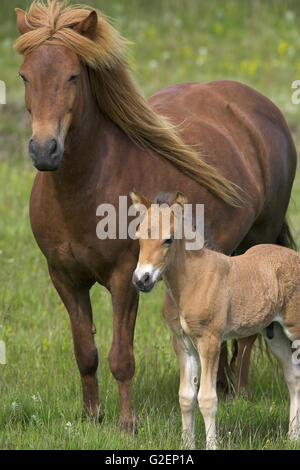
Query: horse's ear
{"x": 180, "y": 199}
{"x": 21, "y": 22}
{"x": 88, "y": 26}
{"x": 139, "y": 201}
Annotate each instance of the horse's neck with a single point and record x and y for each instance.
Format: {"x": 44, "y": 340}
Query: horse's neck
{"x": 185, "y": 268}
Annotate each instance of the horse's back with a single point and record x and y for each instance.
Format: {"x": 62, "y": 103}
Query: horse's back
{"x": 209, "y": 99}
{"x": 269, "y": 254}
{"x": 264, "y": 285}
{"x": 244, "y": 135}
{"x": 245, "y": 116}
{"x": 273, "y": 264}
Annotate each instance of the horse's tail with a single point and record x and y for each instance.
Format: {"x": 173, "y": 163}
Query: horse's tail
{"x": 285, "y": 237}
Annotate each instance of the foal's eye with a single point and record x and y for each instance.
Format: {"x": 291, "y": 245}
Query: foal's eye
{"x": 73, "y": 78}
{"x": 168, "y": 241}
{"x": 23, "y": 78}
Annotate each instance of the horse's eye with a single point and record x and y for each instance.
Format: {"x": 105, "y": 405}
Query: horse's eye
{"x": 23, "y": 78}
{"x": 168, "y": 241}
{"x": 73, "y": 78}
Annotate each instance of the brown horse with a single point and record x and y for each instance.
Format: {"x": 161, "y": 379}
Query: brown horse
{"x": 95, "y": 137}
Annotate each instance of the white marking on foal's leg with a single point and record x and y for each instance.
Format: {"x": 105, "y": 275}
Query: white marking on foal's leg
{"x": 282, "y": 350}
{"x": 189, "y": 369}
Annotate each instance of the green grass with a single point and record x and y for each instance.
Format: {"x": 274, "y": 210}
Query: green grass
{"x": 254, "y": 42}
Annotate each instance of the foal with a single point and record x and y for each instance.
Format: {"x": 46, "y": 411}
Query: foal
{"x": 211, "y": 297}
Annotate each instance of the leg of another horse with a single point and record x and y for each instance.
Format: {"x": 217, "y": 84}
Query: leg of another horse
{"x": 121, "y": 358}
{"x": 209, "y": 351}
{"x": 77, "y": 302}
{"x": 224, "y": 379}
{"x": 243, "y": 363}
{"x": 281, "y": 347}
{"x": 189, "y": 369}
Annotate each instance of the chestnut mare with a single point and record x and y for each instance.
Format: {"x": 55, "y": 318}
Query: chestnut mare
{"x": 95, "y": 137}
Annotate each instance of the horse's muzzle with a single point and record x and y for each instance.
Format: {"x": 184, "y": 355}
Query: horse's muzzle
{"x": 46, "y": 157}
{"x": 144, "y": 284}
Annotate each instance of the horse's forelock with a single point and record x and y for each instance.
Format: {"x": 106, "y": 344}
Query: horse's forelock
{"x": 56, "y": 21}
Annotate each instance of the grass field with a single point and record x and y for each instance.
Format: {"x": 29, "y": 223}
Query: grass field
{"x": 256, "y": 42}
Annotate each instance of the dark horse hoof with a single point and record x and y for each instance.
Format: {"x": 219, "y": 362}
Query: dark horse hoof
{"x": 224, "y": 388}
{"x": 97, "y": 417}
{"x": 129, "y": 426}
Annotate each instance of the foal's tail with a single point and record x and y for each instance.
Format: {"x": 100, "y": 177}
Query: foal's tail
{"x": 285, "y": 237}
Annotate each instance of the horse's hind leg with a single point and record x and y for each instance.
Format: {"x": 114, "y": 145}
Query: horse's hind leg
{"x": 224, "y": 378}
{"x": 281, "y": 347}
{"x": 77, "y": 302}
{"x": 242, "y": 364}
{"x": 189, "y": 369}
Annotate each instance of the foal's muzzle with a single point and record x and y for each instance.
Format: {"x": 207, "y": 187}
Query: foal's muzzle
{"x": 143, "y": 283}
{"x": 46, "y": 157}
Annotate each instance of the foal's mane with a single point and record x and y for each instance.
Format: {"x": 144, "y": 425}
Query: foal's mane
{"x": 167, "y": 199}
{"x": 116, "y": 92}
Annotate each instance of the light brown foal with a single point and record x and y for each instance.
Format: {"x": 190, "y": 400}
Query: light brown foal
{"x": 211, "y": 297}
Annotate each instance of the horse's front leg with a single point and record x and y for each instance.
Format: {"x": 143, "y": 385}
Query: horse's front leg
{"x": 77, "y": 302}
{"x": 209, "y": 352}
{"x": 121, "y": 358}
{"x": 188, "y": 359}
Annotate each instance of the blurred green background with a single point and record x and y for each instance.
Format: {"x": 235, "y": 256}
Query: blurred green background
{"x": 256, "y": 42}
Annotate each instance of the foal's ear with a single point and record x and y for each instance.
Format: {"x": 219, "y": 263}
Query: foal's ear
{"x": 88, "y": 26}
{"x": 21, "y": 21}
{"x": 139, "y": 201}
{"x": 180, "y": 199}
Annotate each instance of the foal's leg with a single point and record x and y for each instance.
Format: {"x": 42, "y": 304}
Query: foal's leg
{"x": 121, "y": 358}
{"x": 188, "y": 359}
{"x": 77, "y": 302}
{"x": 281, "y": 347}
{"x": 209, "y": 351}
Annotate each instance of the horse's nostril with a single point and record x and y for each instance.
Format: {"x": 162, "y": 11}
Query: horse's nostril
{"x": 146, "y": 278}
{"x": 33, "y": 146}
{"x": 52, "y": 146}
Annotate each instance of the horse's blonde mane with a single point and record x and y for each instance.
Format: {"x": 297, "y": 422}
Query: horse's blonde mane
{"x": 116, "y": 92}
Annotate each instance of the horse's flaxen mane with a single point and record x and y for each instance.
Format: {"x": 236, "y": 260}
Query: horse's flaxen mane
{"x": 117, "y": 94}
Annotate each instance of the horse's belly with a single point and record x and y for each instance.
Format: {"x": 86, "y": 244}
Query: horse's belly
{"x": 249, "y": 323}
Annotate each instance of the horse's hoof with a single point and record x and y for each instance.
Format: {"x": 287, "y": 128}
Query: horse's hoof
{"x": 242, "y": 392}
{"x": 223, "y": 389}
{"x": 130, "y": 425}
{"x": 97, "y": 416}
